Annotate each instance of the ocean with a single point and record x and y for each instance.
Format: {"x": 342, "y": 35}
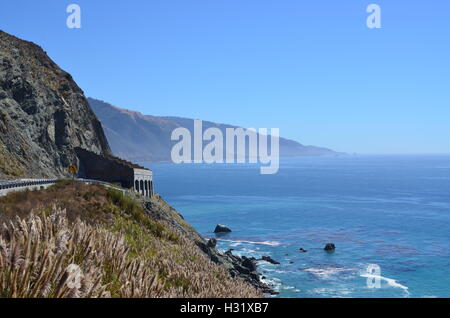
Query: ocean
{"x": 389, "y": 217}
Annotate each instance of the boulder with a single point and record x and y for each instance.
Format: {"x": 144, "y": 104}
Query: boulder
{"x": 249, "y": 263}
{"x": 270, "y": 260}
{"x": 330, "y": 247}
{"x": 222, "y": 229}
{"x": 212, "y": 243}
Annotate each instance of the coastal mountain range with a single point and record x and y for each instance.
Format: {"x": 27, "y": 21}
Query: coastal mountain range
{"x": 135, "y": 136}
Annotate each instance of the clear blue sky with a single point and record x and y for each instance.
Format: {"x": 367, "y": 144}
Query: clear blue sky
{"x": 309, "y": 67}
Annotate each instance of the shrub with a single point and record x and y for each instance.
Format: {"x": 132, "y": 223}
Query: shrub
{"x": 49, "y": 253}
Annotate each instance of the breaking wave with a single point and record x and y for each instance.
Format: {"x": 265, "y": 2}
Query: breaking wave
{"x": 391, "y": 282}
{"x": 239, "y": 242}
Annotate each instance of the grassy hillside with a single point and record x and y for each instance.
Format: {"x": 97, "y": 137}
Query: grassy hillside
{"x": 76, "y": 240}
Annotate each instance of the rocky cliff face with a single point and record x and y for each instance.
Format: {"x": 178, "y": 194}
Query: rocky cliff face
{"x": 44, "y": 115}
{"x": 242, "y": 268}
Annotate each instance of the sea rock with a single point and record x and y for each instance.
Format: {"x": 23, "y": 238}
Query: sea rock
{"x": 270, "y": 260}
{"x": 230, "y": 251}
{"x": 222, "y": 229}
{"x": 330, "y": 247}
{"x": 249, "y": 263}
{"x": 238, "y": 267}
{"x": 212, "y": 243}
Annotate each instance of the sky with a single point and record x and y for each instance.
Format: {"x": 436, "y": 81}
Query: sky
{"x": 309, "y": 67}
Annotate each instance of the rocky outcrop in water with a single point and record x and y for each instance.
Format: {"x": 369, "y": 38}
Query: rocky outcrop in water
{"x": 238, "y": 267}
{"x": 222, "y": 229}
{"x": 330, "y": 247}
{"x": 212, "y": 243}
{"x": 44, "y": 115}
{"x": 270, "y": 260}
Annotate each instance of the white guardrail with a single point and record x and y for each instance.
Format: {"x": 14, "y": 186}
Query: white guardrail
{"x": 10, "y": 184}
{"x": 7, "y": 186}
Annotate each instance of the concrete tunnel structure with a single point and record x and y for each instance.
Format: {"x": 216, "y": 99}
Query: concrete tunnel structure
{"x": 114, "y": 170}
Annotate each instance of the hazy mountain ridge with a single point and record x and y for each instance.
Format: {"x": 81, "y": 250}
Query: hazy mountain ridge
{"x": 139, "y": 137}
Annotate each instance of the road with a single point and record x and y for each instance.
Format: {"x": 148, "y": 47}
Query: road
{"x": 8, "y": 186}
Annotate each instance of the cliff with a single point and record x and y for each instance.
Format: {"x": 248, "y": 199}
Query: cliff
{"x": 44, "y": 115}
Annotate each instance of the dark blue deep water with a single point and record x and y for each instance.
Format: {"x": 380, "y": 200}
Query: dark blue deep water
{"x": 391, "y": 211}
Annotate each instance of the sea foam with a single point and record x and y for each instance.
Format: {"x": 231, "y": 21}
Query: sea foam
{"x": 240, "y": 242}
{"x": 390, "y": 282}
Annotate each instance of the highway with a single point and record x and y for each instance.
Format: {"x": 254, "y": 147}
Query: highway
{"x": 8, "y": 186}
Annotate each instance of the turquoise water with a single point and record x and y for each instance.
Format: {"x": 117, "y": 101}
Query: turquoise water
{"x": 391, "y": 211}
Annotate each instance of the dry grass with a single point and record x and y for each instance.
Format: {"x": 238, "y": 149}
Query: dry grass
{"x": 54, "y": 252}
{"x": 88, "y": 202}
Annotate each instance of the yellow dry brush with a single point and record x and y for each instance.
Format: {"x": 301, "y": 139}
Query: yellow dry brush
{"x": 46, "y": 256}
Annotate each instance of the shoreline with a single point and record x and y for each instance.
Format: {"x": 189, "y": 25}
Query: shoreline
{"x": 238, "y": 267}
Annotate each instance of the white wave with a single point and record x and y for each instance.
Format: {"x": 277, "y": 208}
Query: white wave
{"x": 267, "y": 267}
{"x": 341, "y": 292}
{"x": 391, "y": 282}
{"x": 288, "y": 287}
{"x": 239, "y": 242}
{"x": 245, "y": 252}
{"x": 273, "y": 282}
{"x": 327, "y": 272}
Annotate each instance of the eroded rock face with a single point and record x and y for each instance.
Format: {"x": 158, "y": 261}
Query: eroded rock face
{"x": 238, "y": 267}
{"x": 212, "y": 243}
{"x": 44, "y": 115}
